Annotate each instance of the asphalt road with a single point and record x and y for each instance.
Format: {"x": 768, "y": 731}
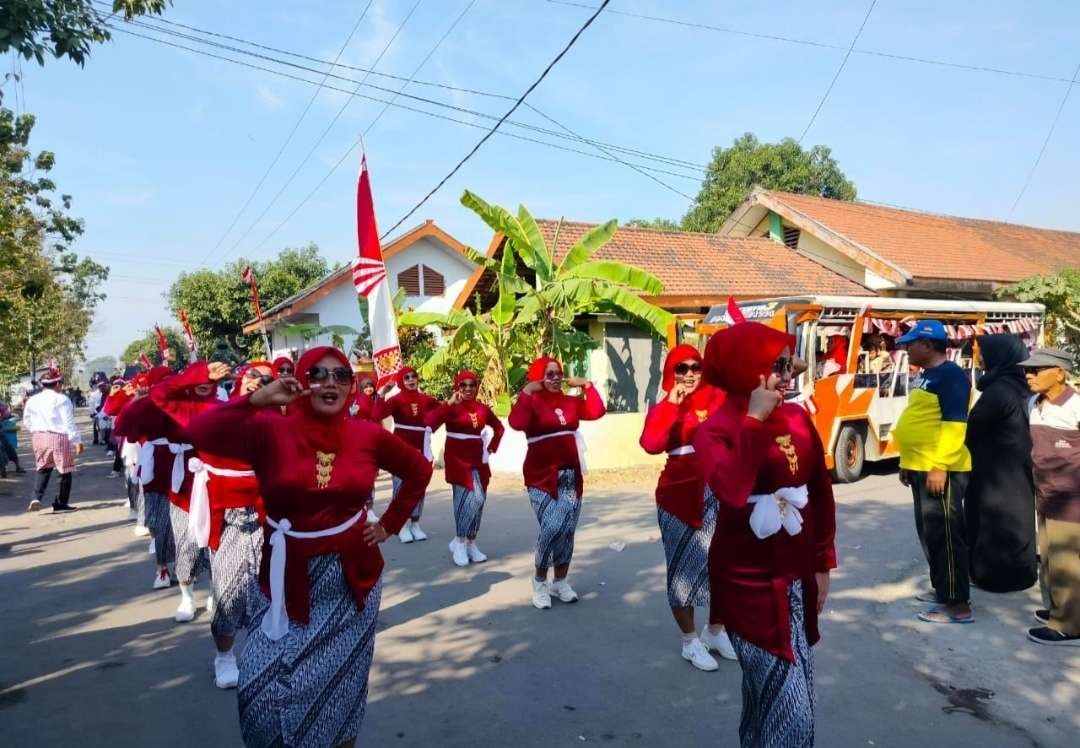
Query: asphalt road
{"x": 90, "y": 654}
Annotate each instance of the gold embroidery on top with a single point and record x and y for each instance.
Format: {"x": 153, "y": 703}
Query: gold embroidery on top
{"x": 701, "y": 415}
{"x": 324, "y": 465}
{"x": 561, "y": 416}
{"x": 474, "y": 420}
{"x": 414, "y": 408}
{"x": 788, "y": 449}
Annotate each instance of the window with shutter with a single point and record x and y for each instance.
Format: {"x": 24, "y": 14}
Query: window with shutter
{"x": 791, "y": 237}
{"x": 409, "y": 279}
{"x": 434, "y": 285}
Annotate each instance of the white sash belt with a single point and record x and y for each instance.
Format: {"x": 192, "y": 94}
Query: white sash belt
{"x": 178, "y": 464}
{"x": 275, "y": 623}
{"x": 146, "y": 458}
{"x": 484, "y": 437}
{"x": 775, "y": 510}
{"x": 199, "y": 513}
{"x": 428, "y": 454}
{"x": 686, "y": 449}
{"x": 129, "y": 456}
{"x": 578, "y": 439}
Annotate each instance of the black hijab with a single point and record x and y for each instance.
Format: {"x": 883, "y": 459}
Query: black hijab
{"x": 1002, "y": 356}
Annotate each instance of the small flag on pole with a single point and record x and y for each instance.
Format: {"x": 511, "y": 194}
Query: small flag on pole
{"x": 369, "y": 277}
{"x": 189, "y": 335}
{"x": 145, "y": 361}
{"x": 248, "y": 275}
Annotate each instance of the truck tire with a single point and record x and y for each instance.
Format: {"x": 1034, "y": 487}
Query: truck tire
{"x": 850, "y": 454}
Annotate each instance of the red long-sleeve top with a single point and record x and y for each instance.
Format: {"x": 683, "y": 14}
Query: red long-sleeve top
{"x": 285, "y": 468}
{"x": 549, "y": 413}
{"x": 681, "y": 488}
{"x": 141, "y": 420}
{"x": 742, "y": 456}
{"x": 462, "y": 456}
{"x": 409, "y": 410}
{"x": 115, "y": 402}
{"x": 225, "y": 492}
{"x": 371, "y": 408}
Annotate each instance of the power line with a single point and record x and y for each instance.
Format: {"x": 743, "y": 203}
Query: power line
{"x": 325, "y": 132}
{"x": 1046, "y": 142}
{"x": 435, "y": 115}
{"x": 681, "y": 163}
{"x": 487, "y": 136}
{"x": 333, "y": 169}
{"x": 821, "y": 45}
{"x": 289, "y": 137}
{"x": 839, "y": 70}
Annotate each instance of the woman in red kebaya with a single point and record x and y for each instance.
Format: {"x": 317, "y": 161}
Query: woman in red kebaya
{"x": 554, "y": 468}
{"x": 686, "y": 507}
{"x": 773, "y": 547}
{"x": 368, "y": 405}
{"x": 473, "y": 431}
{"x": 409, "y": 409}
{"x": 304, "y": 668}
{"x": 139, "y": 421}
{"x": 283, "y": 366}
{"x": 226, "y": 516}
{"x": 181, "y": 397}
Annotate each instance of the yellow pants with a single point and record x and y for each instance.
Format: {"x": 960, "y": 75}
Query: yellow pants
{"x": 1059, "y": 549}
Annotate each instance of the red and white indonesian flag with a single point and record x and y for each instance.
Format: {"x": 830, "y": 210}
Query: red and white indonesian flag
{"x": 369, "y": 277}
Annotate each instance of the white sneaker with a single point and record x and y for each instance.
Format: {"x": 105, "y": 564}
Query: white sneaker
{"x": 720, "y": 643}
{"x": 35, "y": 505}
{"x": 697, "y": 655}
{"x": 209, "y": 603}
{"x": 541, "y": 594}
{"x": 562, "y": 590}
{"x": 457, "y": 550}
{"x": 186, "y": 610}
{"x": 161, "y": 580}
{"x": 405, "y": 536}
{"x": 151, "y": 548}
{"x": 417, "y": 533}
{"x": 141, "y": 531}
{"x": 475, "y": 555}
{"x": 226, "y": 673}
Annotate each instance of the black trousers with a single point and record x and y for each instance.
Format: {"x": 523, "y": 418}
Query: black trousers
{"x": 939, "y": 521}
{"x": 41, "y": 482}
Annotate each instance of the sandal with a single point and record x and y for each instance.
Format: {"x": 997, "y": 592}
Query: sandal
{"x": 937, "y": 615}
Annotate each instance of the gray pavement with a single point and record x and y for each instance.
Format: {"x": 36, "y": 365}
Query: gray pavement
{"x": 91, "y": 655}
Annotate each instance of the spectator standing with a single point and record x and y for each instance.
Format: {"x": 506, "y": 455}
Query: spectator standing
{"x": 936, "y": 464}
{"x": 999, "y": 507}
{"x": 49, "y": 416}
{"x": 1055, "y": 436}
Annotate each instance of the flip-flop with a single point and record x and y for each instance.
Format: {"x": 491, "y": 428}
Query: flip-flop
{"x": 927, "y": 597}
{"x": 936, "y": 615}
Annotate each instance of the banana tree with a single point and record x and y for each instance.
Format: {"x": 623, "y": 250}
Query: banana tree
{"x": 566, "y": 288}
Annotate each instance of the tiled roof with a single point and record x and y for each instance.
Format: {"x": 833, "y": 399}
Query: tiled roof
{"x": 937, "y": 246}
{"x": 709, "y": 266}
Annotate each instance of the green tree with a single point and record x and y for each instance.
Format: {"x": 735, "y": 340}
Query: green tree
{"x": 47, "y": 293}
{"x": 218, "y": 302}
{"x": 733, "y": 172}
{"x": 63, "y": 28}
{"x": 538, "y": 317}
{"x": 148, "y": 344}
{"x": 663, "y": 224}
{"x": 1060, "y": 293}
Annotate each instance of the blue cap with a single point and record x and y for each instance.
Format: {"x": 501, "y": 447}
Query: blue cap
{"x": 925, "y": 329}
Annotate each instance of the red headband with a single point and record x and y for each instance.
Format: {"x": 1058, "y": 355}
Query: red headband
{"x": 539, "y": 366}
{"x": 463, "y": 375}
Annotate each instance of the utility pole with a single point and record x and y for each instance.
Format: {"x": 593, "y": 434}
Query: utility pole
{"x": 30, "y": 344}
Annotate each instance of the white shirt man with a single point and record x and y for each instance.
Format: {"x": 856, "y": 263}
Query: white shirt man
{"x": 49, "y": 416}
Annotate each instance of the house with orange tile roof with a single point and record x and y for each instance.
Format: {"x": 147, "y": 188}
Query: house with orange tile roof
{"x": 897, "y": 252}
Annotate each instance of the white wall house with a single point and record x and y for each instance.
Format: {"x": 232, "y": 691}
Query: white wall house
{"x": 427, "y": 262}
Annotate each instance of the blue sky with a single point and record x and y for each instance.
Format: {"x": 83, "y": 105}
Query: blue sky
{"x": 160, "y": 148}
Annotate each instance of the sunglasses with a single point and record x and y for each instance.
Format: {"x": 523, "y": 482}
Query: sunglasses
{"x": 255, "y": 374}
{"x": 285, "y": 371}
{"x": 784, "y": 365}
{"x": 340, "y": 374}
{"x": 685, "y": 368}
{"x": 467, "y": 384}
{"x": 553, "y": 377}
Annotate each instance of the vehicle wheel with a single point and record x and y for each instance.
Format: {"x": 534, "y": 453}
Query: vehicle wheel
{"x": 850, "y": 454}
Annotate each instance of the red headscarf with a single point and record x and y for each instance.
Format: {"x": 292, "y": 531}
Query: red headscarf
{"x": 539, "y": 366}
{"x": 243, "y": 370}
{"x": 400, "y": 376}
{"x": 463, "y": 375}
{"x": 738, "y": 356}
{"x": 838, "y": 351}
{"x": 278, "y": 362}
{"x": 320, "y": 432}
{"x": 156, "y": 374}
{"x": 676, "y": 356}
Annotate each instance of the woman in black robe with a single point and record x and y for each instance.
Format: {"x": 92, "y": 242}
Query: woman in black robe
{"x": 999, "y": 506}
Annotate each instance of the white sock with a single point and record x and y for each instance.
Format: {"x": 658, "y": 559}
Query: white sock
{"x": 687, "y": 638}
{"x": 460, "y": 540}
{"x": 186, "y": 592}
{"x": 226, "y": 655}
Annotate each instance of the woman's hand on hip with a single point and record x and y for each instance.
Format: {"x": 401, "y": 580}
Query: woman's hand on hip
{"x": 822, "y": 579}
{"x": 375, "y": 534}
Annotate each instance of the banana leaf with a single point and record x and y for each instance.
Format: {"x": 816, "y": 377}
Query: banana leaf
{"x": 620, "y": 273}
{"x": 587, "y": 245}
{"x": 541, "y": 255}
